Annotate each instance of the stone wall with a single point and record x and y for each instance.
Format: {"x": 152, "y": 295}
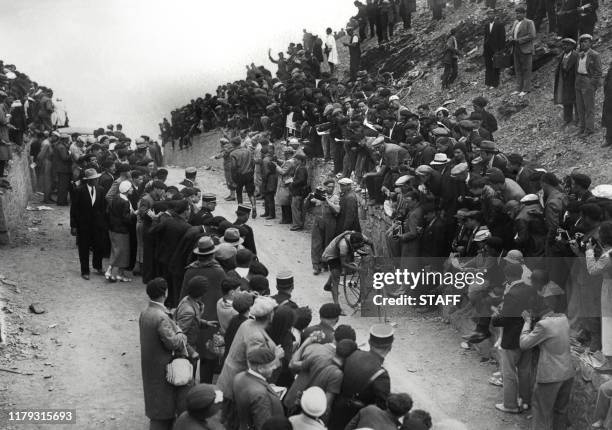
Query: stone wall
{"x": 14, "y": 201}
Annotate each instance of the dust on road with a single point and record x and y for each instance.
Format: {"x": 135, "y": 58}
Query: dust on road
{"x": 84, "y": 353}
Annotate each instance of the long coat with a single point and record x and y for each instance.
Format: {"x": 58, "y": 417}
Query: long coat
{"x": 5, "y": 151}
{"x": 565, "y": 79}
{"x": 606, "y": 117}
{"x": 158, "y": 339}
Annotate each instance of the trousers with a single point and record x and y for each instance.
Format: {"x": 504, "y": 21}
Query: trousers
{"x": 585, "y": 103}
{"x": 550, "y": 402}
{"x": 523, "y": 64}
{"x": 516, "y": 371}
{"x": 90, "y": 239}
{"x": 297, "y": 211}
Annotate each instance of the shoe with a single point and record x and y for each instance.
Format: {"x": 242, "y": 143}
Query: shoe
{"x": 230, "y": 199}
{"x": 296, "y": 228}
{"x": 123, "y": 279}
{"x": 477, "y": 337}
{"x": 598, "y": 424}
{"x": 501, "y": 407}
{"x": 496, "y": 381}
{"x": 316, "y": 271}
{"x": 85, "y": 276}
{"x": 327, "y": 287}
{"x": 253, "y": 213}
{"x": 271, "y": 217}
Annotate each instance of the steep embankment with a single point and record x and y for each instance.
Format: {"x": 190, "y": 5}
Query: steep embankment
{"x": 530, "y": 125}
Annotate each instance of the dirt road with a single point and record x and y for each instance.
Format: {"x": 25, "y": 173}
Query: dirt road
{"x": 83, "y": 352}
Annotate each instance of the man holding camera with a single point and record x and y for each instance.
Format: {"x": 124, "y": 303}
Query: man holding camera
{"x": 325, "y": 206}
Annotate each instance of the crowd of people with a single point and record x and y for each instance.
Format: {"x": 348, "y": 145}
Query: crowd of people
{"x": 456, "y": 201}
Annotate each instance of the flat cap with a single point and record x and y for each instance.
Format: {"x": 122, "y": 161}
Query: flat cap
{"x": 403, "y": 180}
{"x": 345, "y": 181}
{"x": 209, "y": 197}
{"x": 530, "y": 198}
{"x": 482, "y": 234}
{"x": 260, "y": 356}
{"x": 263, "y": 306}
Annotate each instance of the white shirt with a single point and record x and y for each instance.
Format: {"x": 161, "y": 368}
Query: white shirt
{"x": 491, "y": 26}
{"x": 582, "y": 67}
{"x": 516, "y": 29}
{"x": 92, "y": 193}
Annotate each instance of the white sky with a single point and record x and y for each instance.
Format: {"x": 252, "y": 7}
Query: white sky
{"x": 132, "y": 61}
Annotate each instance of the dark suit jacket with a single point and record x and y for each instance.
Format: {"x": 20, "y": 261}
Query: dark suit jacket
{"x": 521, "y": 297}
{"x": 84, "y": 216}
{"x": 348, "y": 218}
{"x": 494, "y": 40}
{"x": 168, "y": 234}
{"x": 255, "y": 401}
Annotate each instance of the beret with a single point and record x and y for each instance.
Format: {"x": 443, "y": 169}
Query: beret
{"x": 201, "y": 397}
{"x": 262, "y": 355}
{"x": 242, "y": 301}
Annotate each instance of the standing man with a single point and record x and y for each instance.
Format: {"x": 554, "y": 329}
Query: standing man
{"x": 494, "y": 41}
{"x": 555, "y": 371}
{"x": 325, "y": 205}
{"x": 331, "y": 51}
{"x": 160, "y": 338}
{"x": 407, "y": 8}
{"x": 606, "y": 118}
{"x": 299, "y": 190}
{"x": 565, "y": 80}
{"x": 88, "y": 221}
{"x": 62, "y": 167}
{"x": 588, "y": 79}
{"x": 242, "y": 167}
{"x": 522, "y": 36}
{"x": 354, "y": 47}
{"x": 348, "y": 217}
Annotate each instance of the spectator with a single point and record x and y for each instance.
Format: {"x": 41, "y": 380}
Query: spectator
{"x": 522, "y": 37}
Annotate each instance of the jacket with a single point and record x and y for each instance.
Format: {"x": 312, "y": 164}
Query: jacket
{"x": 565, "y": 79}
{"x": 168, "y": 234}
{"x": 250, "y": 335}
{"x": 552, "y": 335}
{"x": 519, "y": 298}
{"x": 159, "y": 337}
{"x": 348, "y": 217}
{"x": 255, "y": 401}
{"x": 593, "y": 67}
{"x": 494, "y": 39}
{"x": 525, "y": 36}
{"x": 83, "y": 215}
{"x": 119, "y": 216}
{"x": 530, "y": 230}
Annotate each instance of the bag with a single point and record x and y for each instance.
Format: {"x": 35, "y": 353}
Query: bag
{"x": 179, "y": 372}
{"x": 503, "y": 59}
{"x": 216, "y": 345}
{"x": 354, "y": 402}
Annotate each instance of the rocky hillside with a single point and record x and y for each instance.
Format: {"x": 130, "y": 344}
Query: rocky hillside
{"x": 530, "y": 125}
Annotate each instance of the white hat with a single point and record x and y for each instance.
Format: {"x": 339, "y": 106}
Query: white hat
{"x": 394, "y": 97}
{"x": 439, "y": 158}
{"x": 482, "y": 235}
{"x": 530, "y": 198}
{"x": 314, "y": 402}
{"x": 403, "y": 179}
{"x": 125, "y": 186}
{"x": 424, "y": 170}
{"x": 345, "y": 181}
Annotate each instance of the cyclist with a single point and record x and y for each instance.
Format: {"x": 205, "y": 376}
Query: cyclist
{"x": 340, "y": 256}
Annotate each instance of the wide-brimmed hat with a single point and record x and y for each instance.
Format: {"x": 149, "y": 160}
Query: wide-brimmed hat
{"x": 514, "y": 256}
{"x": 206, "y": 246}
{"x": 232, "y": 237}
{"x": 90, "y": 174}
{"x": 439, "y": 158}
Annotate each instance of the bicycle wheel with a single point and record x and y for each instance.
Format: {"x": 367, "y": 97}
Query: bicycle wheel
{"x": 352, "y": 289}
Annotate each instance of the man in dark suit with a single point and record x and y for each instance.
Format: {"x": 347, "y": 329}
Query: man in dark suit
{"x": 494, "y": 41}
{"x": 565, "y": 80}
{"x": 168, "y": 233}
{"x": 516, "y": 364}
{"x": 255, "y": 400}
{"x": 87, "y": 221}
{"x": 246, "y": 232}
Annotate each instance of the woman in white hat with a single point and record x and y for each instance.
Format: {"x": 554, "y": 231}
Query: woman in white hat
{"x": 121, "y": 213}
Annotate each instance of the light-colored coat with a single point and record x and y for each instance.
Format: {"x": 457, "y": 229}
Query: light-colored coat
{"x": 158, "y": 339}
{"x": 525, "y": 36}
